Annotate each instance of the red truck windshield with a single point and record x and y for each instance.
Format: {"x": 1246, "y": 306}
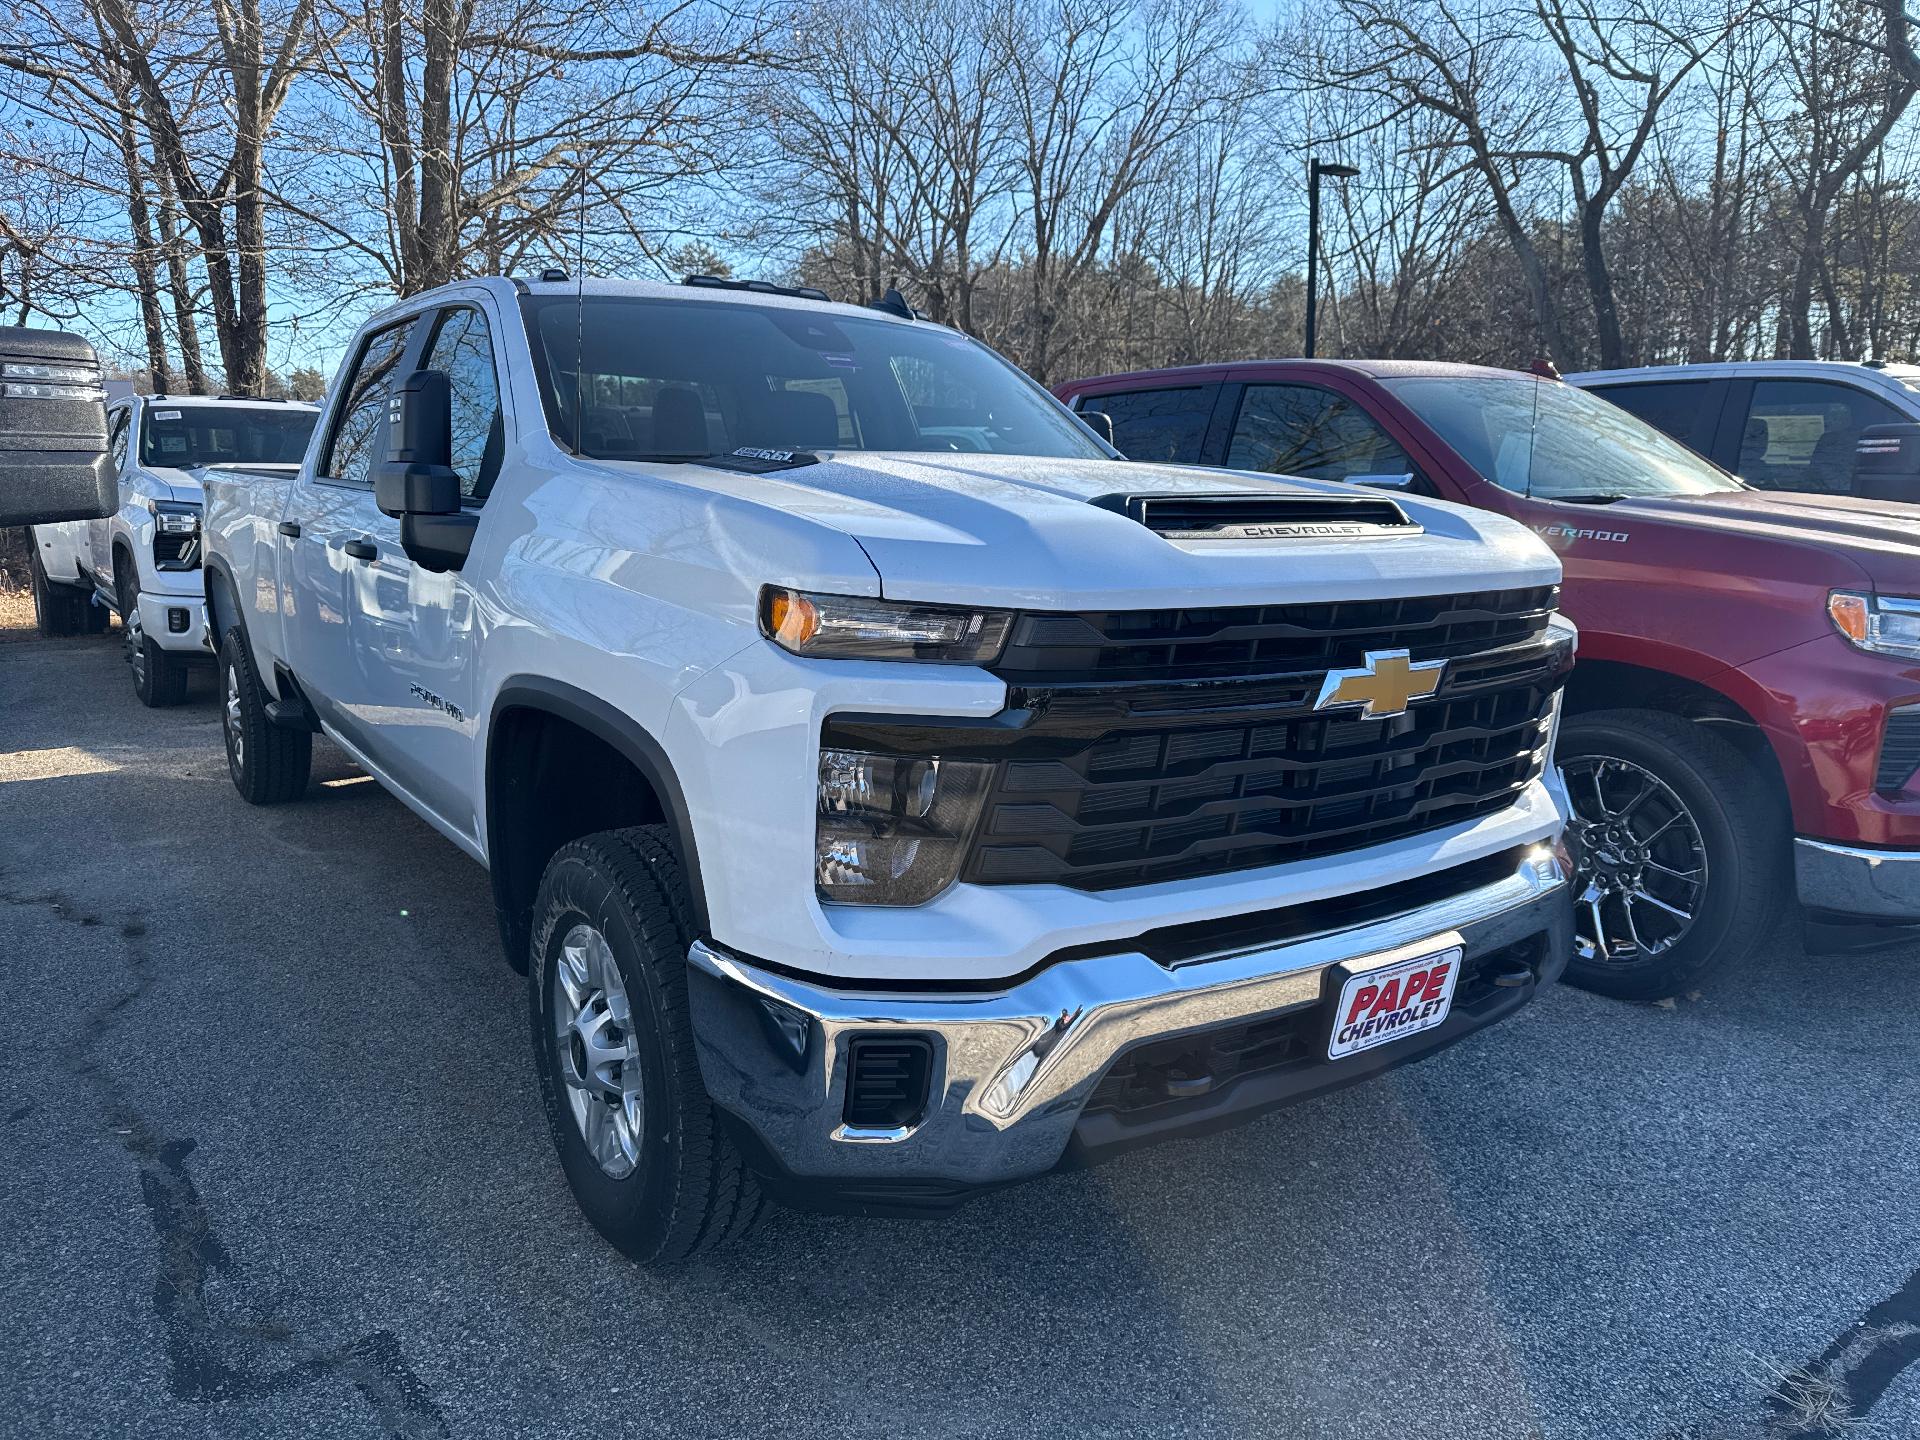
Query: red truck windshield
{"x": 1551, "y": 441}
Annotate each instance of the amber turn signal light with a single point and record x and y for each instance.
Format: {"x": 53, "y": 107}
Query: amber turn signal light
{"x": 1849, "y": 614}
{"x": 790, "y": 618}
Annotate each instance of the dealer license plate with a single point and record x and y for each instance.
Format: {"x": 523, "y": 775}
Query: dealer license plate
{"x": 1387, "y": 998}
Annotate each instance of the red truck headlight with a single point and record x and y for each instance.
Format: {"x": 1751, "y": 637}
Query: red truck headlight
{"x": 1884, "y": 624}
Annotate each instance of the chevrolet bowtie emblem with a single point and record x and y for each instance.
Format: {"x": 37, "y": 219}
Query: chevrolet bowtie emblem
{"x": 1385, "y": 685}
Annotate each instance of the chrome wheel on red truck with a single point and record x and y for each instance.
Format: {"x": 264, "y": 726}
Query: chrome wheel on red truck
{"x": 1641, "y": 866}
{"x": 1674, "y": 845}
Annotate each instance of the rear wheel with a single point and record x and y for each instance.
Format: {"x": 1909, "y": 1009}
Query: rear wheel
{"x": 159, "y": 676}
{"x": 637, "y": 1135}
{"x": 269, "y": 764}
{"x": 1677, "y": 848}
{"x": 57, "y": 609}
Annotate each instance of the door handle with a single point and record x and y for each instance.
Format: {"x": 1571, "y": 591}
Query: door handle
{"x": 362, "y": 550}
{"x": 290, "y": 529}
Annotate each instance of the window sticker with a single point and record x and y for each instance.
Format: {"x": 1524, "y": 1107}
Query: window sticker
{"x": 172, "y": 444}
{"x": 166, "y": 414}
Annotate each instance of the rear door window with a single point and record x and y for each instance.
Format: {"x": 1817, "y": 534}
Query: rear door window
{"x": 460, "y": 349}
{"x": 1685, "y": 409}
{"x": 1306, "y": 430}
{"x": 1167, "y": 425}
{"x": 1800, "y": 434}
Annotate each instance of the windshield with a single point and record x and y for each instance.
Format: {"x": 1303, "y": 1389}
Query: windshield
{"x": 680, "y": 379}
{"x": 1553, "y": 441}
{"x": 189, "y": 437}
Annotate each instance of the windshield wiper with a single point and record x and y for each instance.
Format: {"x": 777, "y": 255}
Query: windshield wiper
{"x": 1595, "y": 498}
{"x": 749, "y": 458}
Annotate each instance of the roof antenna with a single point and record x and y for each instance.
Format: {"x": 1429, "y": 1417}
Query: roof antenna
{"x": 580, "y": 314}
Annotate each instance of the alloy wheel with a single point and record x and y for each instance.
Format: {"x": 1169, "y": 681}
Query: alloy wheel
{"x": 230, "y": 718}
{"x": 1640, "y": 864}
{"x": 135, "y": 638}
{"x": 599, "y": 1059}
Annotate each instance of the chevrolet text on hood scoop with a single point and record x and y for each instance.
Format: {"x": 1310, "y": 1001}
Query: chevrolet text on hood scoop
{"x": 1280, "y": 516}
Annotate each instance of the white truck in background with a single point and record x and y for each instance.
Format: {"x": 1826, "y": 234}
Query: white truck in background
{"x": 143, "y": 561}
{"x": 888, "y": 794}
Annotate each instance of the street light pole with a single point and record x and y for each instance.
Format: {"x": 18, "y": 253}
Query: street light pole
{"x": 1314, "y": 171}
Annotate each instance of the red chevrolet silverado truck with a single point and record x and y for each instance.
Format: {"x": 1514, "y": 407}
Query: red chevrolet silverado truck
{"x": 1746, "y": 707}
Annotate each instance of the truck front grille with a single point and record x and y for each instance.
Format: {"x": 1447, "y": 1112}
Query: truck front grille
{"x": 1209, "y": 757}
{"x": 176, "y": 552}
{"x": 1899, "y": 750}
{"x": 1260, "y": 640}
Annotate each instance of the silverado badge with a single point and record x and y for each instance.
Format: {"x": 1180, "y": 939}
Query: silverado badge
{"x": 1385, "y": 685}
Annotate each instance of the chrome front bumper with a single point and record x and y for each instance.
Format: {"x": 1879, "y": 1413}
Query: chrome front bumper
{"x": 1852, "y": 880}
{"x": 1013, "y": 1068}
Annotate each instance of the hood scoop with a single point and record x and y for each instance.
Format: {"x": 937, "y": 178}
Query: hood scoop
{"x": 1242, "y": 515}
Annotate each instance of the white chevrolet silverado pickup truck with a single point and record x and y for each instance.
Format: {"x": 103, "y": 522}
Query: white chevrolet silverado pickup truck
{"x": 889, "y": 794}
{"x": 143, "y": 561}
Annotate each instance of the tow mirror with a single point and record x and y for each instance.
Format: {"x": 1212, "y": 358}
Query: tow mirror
{"x": 53, "y": 430}
{"x": 417, "y": 475}
{"x": 416, "y": 482}
{"x": 1099, "y": 422}
{"x": 1886, "y": 463}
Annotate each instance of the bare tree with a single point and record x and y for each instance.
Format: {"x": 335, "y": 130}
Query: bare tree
{"x": 252, "y": 57}
{"x": 1098, "y": 93}
{"x": 522, "y": 124}
{"x": 1847, "y": 85}
{"x": 1622, "y": 65}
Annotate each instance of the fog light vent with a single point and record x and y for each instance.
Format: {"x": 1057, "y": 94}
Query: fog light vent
{"x": 1899, "y": 750}
{"x": 887, "y": 1082}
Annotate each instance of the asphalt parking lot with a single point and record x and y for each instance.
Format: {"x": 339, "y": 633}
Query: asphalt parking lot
{"x": 272, "y": 1162}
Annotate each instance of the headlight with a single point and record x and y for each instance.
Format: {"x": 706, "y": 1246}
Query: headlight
{"x": 891, "y": 829}
{"x": 1884, "y": 624}
{"x": 175, "y": 517}
{"x": 848, "y": 627}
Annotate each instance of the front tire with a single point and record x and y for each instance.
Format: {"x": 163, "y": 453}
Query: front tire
{"x": 269, "y": 763}
{"x": 1678, "y": 847}
{"x": 159, "y": 676}
{"x": 613, "y": 1044}
{"x": 57, "y": 609}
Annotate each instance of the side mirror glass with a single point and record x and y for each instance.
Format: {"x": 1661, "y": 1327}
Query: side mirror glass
{"x": 53, "y": 430}
{"x": 1383, "y": 482}
{"x": 1886, "y": 463}
{"x": 1099, "y": 422}
{"x": 417, "y": 476}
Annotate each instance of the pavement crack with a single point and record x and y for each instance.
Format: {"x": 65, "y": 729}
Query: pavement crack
{"x": 211, "y": 1357}
{"x": 1834, "y": 1393}
{"x": 1870, "y": 1355}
